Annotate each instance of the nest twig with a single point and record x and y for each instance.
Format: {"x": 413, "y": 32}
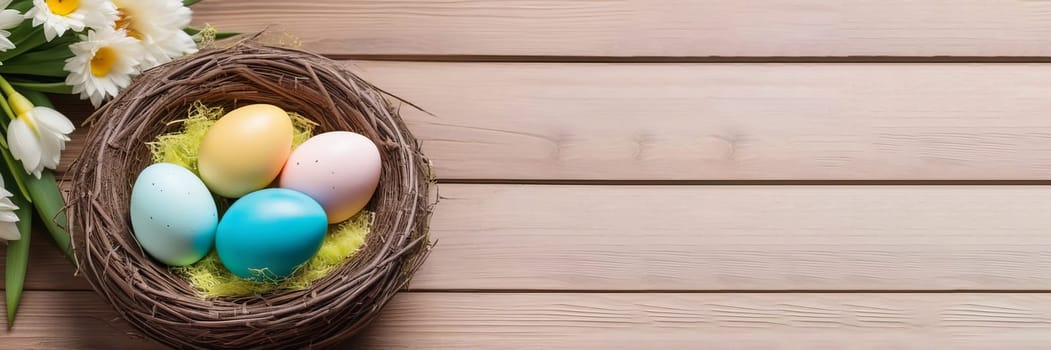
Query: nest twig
{"x": 166, "y": 307}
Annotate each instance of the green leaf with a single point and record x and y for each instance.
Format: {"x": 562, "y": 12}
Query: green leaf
{"x": 18, "y": 258}
{"x": 63, "y": 41}
{"x": 21, "y": 5}
{"x": 34, "y": 39}
{"x": 59, "y": 87}
{"x": 21, "y": 32}
{"x": 39, "y": 68}
{"x": 54, "y": 53}
{"x": 18, "y": 172}
{"x": 189, "y": 3}
{"x": 50, "y": 206}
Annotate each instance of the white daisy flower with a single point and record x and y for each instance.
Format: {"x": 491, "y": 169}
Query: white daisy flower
{"x": 8, "y": 228}
{"x": 37, "y": 136}
{"x": 8, "y": 19}
{"x": 158, "y": 25}
{"x": 102, "y": 64}
{"x": 58, "y": 16}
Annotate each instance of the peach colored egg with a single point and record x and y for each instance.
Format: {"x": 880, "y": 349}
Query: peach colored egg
{"x": 245, "y": 150}
{"x": 338, "y": 169}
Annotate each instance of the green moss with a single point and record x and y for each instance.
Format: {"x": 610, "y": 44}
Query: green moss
{"x": 181, "y": 148}
{"x": 303, "y": 129}
{"x": 212, "y": 279}
{"x": 209, "y": 276}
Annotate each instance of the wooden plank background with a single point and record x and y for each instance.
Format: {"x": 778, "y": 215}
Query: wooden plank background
{"x": 693, "y": 174}
{"x": 553, "y": 30}
{"x": 578, "y": 121}
{"x": 692, "y": 122}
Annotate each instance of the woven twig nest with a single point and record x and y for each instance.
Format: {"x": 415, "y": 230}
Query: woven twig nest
{"x": 165, "y": 306}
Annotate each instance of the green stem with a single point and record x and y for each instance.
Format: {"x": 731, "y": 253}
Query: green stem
{"x": 5, "y": 86}
{"x": 5, "y": 125}
{"x": 8, "y": 90}
{"x": 7, "y": 109}
{"x": 17, "y": 258}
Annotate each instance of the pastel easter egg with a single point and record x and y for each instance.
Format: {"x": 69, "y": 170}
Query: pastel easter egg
{"x": 267, "y": 234}
{"x": 173, "y": 215}
{"x": 245, "y": 149}
{"x": 339, "y": 169}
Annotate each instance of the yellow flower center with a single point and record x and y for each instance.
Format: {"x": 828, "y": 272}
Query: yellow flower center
{"x": 125, "y": 21}
{"x": 62, "y": 7}
{"x": 103, "y": 61}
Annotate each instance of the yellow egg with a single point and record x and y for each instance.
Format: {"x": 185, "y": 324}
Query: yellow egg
{"x": 245, "y": 150}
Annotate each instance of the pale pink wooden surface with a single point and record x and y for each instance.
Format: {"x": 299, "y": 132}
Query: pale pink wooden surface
{"x": 608, "y": 183}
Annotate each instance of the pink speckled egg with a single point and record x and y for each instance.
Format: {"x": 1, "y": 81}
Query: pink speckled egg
{"x": 338, "y": 169}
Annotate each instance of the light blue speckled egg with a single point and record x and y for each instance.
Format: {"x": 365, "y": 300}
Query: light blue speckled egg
{"x": 172, "y": 214}
{"x": 267, "y": 234}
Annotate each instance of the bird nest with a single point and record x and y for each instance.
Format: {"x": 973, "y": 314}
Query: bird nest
{"x": 164, "y": 305}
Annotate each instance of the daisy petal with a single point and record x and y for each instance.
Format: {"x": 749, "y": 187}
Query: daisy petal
{"x": 88, "y": 13}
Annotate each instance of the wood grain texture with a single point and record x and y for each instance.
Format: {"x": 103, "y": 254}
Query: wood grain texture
{"x": 727, "y": 121}
{"x": 70, "y": 320}
{"x": 720, "y": 121}
{"x": 631, "y": 28}
{"x": 712, "y": 321}
{"x": 712, "y": 238}
{"x": 665, "y": 253}
{"x": 77, "y": 320}
{"x": 640, "y": 238}
{"x": 77, "y": 111}
{"x": 48, "y": 268}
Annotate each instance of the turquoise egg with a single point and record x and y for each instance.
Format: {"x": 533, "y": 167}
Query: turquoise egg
{"x": 267, "y": 234}
{"x": 173, "y": 215}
